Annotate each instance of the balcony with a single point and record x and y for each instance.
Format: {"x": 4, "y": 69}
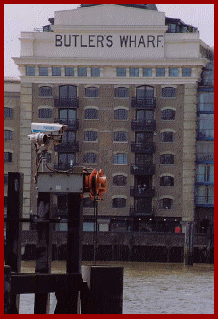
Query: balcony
{"x": 146, "y": 103}
{"x": 144, "y": 147}
{"x": 204, "y": 158}
{"x": 143, "y": 125}
{"x": 67, "y": 147}
{"x": 64, "y": 166}
{"x": 141, "y": 210}
{"x": 66, "y": 103}
{"x": 142, "y": 169}
{"x": 142, "y": 192}
{"x": 72, "y": 124}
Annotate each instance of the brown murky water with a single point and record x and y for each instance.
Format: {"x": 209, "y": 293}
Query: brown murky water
{"x": 151, "y": 288}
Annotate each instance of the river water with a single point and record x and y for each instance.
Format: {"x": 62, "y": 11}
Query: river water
{"x": 151, "y": 288}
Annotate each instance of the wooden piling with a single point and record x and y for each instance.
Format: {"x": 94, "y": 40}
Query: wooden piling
{"x": 189, "y": 243}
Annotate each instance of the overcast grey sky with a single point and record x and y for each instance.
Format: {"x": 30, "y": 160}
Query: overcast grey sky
{"x": 26, "y": 17}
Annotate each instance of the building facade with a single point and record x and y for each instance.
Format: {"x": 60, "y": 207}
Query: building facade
{"x": 124, "y": 78}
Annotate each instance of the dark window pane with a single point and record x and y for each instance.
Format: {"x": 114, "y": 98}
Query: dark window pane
{"x": 120, "y": 136}
{"x": 166, "y": 203}
{"x": 69, "y": 71}
{"x": 8, "y": 135}
{"x": 168, "y": 114}
{"x": 147, "y": 72}
{"x": 168, "y": 92}
{"x": 45, "y": 113}
{"x": 90, "y": 136}
{"x": 121, "y": 71}
{"x": 7, "y": 157}
{"x": 95, "y": 71}
{"x": 186, "y": 71}
{"x": 30, "y": 70}
{"x": 90, "y": 158}
{"x": 91, "y": 114}
{"x": 91, "y": 92}
{"x": 167, "y": 159}
{"x": 120, "y": 159}
{"x": 119, "y": 180}
{"x": 8, "y": 113}
{"x": 45, "y": 91}
{"x": 43, "y": 71}
{"x": 119, "y": 203}
{"x": 167, "y": 137}
{"x": 56, "y": 71}
{"x": 160, "y": 72}
{"x": 82, "y": 71}
{"x": 166, "y": 181}
{"x": 120, "y": 114}
{"x": 134, "y": 72}
{"x": 121, "y": 92}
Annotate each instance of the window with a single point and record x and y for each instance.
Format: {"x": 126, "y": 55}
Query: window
{"x": 66, "y": 160}
{"x": 166, "y": 203}
{"x": 121, "y": 114}
{"x": 7, "y": 157}
{"x": 173, "y": 72}
{"x": 90, "y": 158}
{"x": 120, "y": 137}
{"x": 206, "y": 102}
{"x": 143, "y": 137}
{"x": 119, "y": 203}
{"x": 69, "y": 71}
{"x": 121, "y": 71}
{"x": 168, "y": 92}
{"x": 206, "y": 126}
{"x": 68, "y": 92}
{"x": 56, "y": 71}
{"x": 8, "y": 113}
{"x": 134, "y": 72}
{"x": 144, "y": 92}
{"x": 8, "y": 135}
{"x": 91, "y": 92}
{"x": 30, "y": 71}
{"x": 45, "y": 91}
{"x": 143, "y": 159}
{"x": 168, "y": 114}
{"x": 82, "y": 71}
{"x": 167, "y": 159}
{"x": 147, "y": 72}
{"x": 167, "y": 137}
{"x": 144, "y": 115}
{"x": 160, "y": 72}
{"x": 5, "y": 201}
{"x": 43, "y": 71}
{"x": 166, "y": 181}
{"x": 45, "y": 113}
{"x": 91, "y": 114}
{"x": 119, "y": 180}
{"x": 95, "y": 71}
{"x": 87, "y": 202}
{"x": 205, "y": 195}
{"x": 172, "y": 28}
{"x": 91, "y": 136}
{"x": 186, "y": 72}
{"x": 67, "y": 116}
{"x": 5, "y": 179}
{"x": 205, "y": 173}
{"x": 121, "y": 92}
{"x": 120, "y": 158}
{"x": 68, "y": 137}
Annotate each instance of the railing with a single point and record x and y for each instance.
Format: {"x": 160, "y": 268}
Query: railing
{"x": 73, "y": 124}
{"x": 142, "y": 169}
{"x": 144, "y": 147}
{"x": 203, "y": 157}
{"x": 67, "y": 147}
{"x": 145, "y": 103}
{"x": 66, "y": 103}
{"x": 143, "y": 125}
{"x": 142, "y": 192}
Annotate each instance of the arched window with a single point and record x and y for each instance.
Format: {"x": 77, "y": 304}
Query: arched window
{"x": 167, "y": 159}
{"x": 90, "y": 158}
{"x": 166, "y": 181}
{"x": 166, "y": 203}
{"x": 120, "y": 136}
{"x": 121, "y": 114}
{"x": 168, "y": 114}
{"x": 8, "y": 157}
{"x": 119, "y": 203}
{"x": 168, "y": 92}
{"x": 45, "y": 91}
{"x": 91, "y": 92}
{"x": 167, "y": 136}
{"x": 67, "y": 92}
{"x": 45, "y": 113}
{"x": 144, "y": 92}
{"x": 121, "y": 92}
{"x": 91, "y": 136}
{"x": 119, "y": 180}
{"x": 91, "y": 114}
{"x": 120, "y": 158}
{"x": 8, "y": 135}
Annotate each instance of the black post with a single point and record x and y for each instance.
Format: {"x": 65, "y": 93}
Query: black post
{"x": 44, "y": 249}
{"x": 189, "y": 243}
{"x": 7, "y": 289}
{"x": 13, "y": 229}
{"x": 67, "y": 303}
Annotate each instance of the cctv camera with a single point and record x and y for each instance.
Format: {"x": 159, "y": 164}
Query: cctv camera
{"x": 39, "y": 138}
{"x": 48, "y": 128}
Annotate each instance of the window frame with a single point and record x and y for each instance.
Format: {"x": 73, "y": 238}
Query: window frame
{"x": 91, "y": 92}
{"x": 163, "y": 204}
{"x": 184, "y": 72}
{"x": 171, "y": 72}
{"x": 164, "y": 182}
{"x": 28, "y": 72}
{"x": 149, "y": 74}
{"x": 10, "y": 112}
{"x": 118, "y": 136}
{"x": 66, "y": 69}
{"x": 10, "y": 157}
{"x": 167, "y": 159}
{"x": 119, "y": 116}
{"x": 121, "y": 92}
{"x": 171, "y": 92}
{"x": 87, "y": 160}
{"x": 41, "y": 110}
{"x": 119, "y": 180}
{"x": 43, "y": 71}
{"x": 8, "y": 135}
{"x": 121, "y": 72}
{"x": 56, "y": 71}
{"x": 134, "y": 72}
{"x": 88, "y": 114}
{"x": 95, "y": 72}
{"x": 46, "y": 88}
{"x": 120, "y": 159}
{"x": 119, "y": 202}
{"x": 167, "y": 139}
{"x": 90, "y": 136}
{"x": 168, "y": 115}
{"x": 82, "y": 71}
{"x": 160, "y": 72}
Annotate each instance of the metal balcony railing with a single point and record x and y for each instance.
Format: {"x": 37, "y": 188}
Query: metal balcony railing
{"x": 143, "y": 125}
{"x": 142, "y": 169}
{"x": 141, "y": 192}
{"x": 66, "y": 102}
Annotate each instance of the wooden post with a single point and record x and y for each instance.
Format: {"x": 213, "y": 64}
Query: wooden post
{"x": 189, "y": 243}
{"x": 106, "y": 289}
{"x": 7, "y": 289}
{"x": 43, "y": 250}
{"x": 13, "y": 229}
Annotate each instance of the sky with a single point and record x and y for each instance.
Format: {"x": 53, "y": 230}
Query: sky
{"x": 26, "y": 17}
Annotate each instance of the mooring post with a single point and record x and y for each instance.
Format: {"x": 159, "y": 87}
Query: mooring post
{"x": 13, "y": 229}
{"x": 44, "y": 249}
{"x": 189, "y": 243}
{"x": 106, "y": 289}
